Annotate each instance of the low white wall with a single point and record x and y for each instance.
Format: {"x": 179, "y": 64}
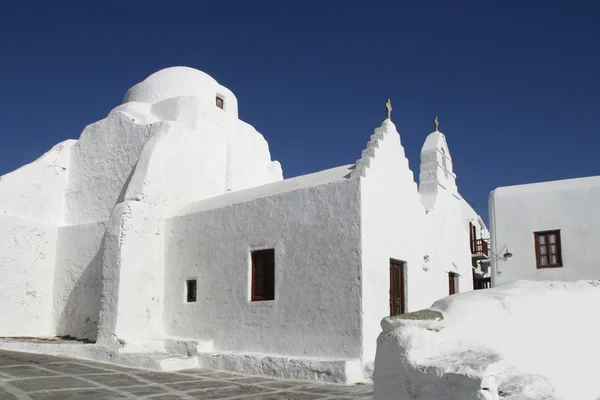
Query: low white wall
{"x": 316, "y": 235}
{"x": 27, "y": 254}
{"x": 517, "y": 212}
{"x": 78, "y": 280}
{"x": 530, "y": 339}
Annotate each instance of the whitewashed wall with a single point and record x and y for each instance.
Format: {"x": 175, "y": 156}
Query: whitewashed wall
{"x": 470, "y": 215}
{"x": 31, "y": 208}
{"x": 78, "y": 280}
{"x": 572, "y": 206}
{"x": 27, "y": 250}
{"x": 447, "y": 246}
{"x": 446, "y": 239}
{"x": 396, "y": 226}
{"x": 168, "y": 145}
{"x": 102, "y": 161}
{"x": 205, "y": 154}
{"x": 316, "y": 235}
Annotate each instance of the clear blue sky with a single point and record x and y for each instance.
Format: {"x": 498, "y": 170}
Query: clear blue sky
{"x": 515, "y": 83}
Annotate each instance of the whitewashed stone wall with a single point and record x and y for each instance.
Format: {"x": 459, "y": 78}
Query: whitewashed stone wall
{"x": 95, "y": 207}
{"x": 314, "y": 228}
{"x": 31, "y": 208}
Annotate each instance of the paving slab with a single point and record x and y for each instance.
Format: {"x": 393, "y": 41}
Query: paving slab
{"x": 58, "y": 382}
{"x": 26, "y": 371}
{"x": 96, "y": 394}
{"x": 26, "y": 376}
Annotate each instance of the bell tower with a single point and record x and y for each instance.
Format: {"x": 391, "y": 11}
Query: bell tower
{"x": 436, "y": 175}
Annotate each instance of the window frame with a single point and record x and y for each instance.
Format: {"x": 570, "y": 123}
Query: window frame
{"x": 217, "y": 98}
{"x": 538, "y": 255}
{"x": 268, "y": 290}
{"x": 188, "y": 292}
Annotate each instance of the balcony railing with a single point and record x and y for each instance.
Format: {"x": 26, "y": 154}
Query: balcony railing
{"x": 479, "y": 247}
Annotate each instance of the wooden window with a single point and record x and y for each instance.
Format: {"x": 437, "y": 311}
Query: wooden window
{"x": 397, "y": 294}
{"x": 548, "y": 253}
{"x": 263, "y": 275}
{"x": 220, "y": 103}
{"x": 191, "y": 289}
{"x": 452, "y": 283}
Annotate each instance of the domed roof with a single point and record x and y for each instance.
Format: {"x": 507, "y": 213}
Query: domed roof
{"x": 436, "y": 141}
{"x": 171, "y": 82}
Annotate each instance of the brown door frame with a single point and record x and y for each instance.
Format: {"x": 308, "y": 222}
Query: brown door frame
{"x": 397, "y": 287}
{"x": 452, "y": 283}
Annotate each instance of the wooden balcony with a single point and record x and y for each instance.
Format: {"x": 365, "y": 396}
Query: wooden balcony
{"x": 479, "y": 249}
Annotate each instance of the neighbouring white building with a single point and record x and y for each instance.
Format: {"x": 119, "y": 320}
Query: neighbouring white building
{"x": 167, "y": 233}
{"x": 550, "y": 230}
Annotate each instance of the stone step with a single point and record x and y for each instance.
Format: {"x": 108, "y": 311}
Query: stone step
{"x": 154, "y": 360}
{"x": 160, "y": 361}
{"x": 335, "y": 370}
{"x": 142, "y": 346}
{"x": 179, "y": 346}
{"x": 187, "y": 346}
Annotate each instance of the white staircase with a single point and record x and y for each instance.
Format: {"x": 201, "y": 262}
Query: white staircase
{"x": 168, "y": 354}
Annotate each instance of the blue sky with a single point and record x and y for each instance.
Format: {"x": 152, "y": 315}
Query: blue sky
{"x": 514, "y": 83}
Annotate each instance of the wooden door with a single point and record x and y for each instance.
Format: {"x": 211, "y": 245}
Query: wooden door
{"x": 452, "y": 283}
{"x": 472, "y": 237}
{"x": 397, "y": 299}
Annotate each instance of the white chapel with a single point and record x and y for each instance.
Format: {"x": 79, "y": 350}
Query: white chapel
{"x": 167, "y": 237}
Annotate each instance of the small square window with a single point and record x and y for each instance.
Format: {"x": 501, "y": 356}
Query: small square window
{"x": 220, "y": 103}
{"x": 452, "y": 283}
{"x": 263, "y": 275}
{"x": 548, "y": 252}
{"x": 191, "y": 289}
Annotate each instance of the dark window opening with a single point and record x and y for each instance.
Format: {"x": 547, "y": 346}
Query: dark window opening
{"x": 397, "y": 287}
{"x": 191, "y": 288}
{"x": 548, "y": 253}
{"x": 220, "y": 103}
{"x": 263, "y": 275}
{"x": 452, "y": 283}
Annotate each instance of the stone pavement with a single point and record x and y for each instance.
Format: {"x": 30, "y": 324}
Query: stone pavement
{"x": 39, "y": 377}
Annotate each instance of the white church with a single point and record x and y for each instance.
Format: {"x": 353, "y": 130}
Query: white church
{"x": 167, "y": 237}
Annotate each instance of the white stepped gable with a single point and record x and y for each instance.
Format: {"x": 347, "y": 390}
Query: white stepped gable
{"x": 368, "y": 154}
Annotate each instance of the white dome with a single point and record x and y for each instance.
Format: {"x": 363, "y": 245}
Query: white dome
{"x": 172, "y": 82}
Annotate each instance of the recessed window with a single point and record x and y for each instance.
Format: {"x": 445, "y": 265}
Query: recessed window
{"x": 263, "y": 275}
{"x": 191, "y": 287}
{"x": 548, "y": 253}
{"x": 397, "y": 287}
{"x": 220, "y": 103}
{"x": 452, "y": 283}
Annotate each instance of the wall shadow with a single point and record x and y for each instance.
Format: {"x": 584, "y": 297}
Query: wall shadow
{"x": 79, "y": 317}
